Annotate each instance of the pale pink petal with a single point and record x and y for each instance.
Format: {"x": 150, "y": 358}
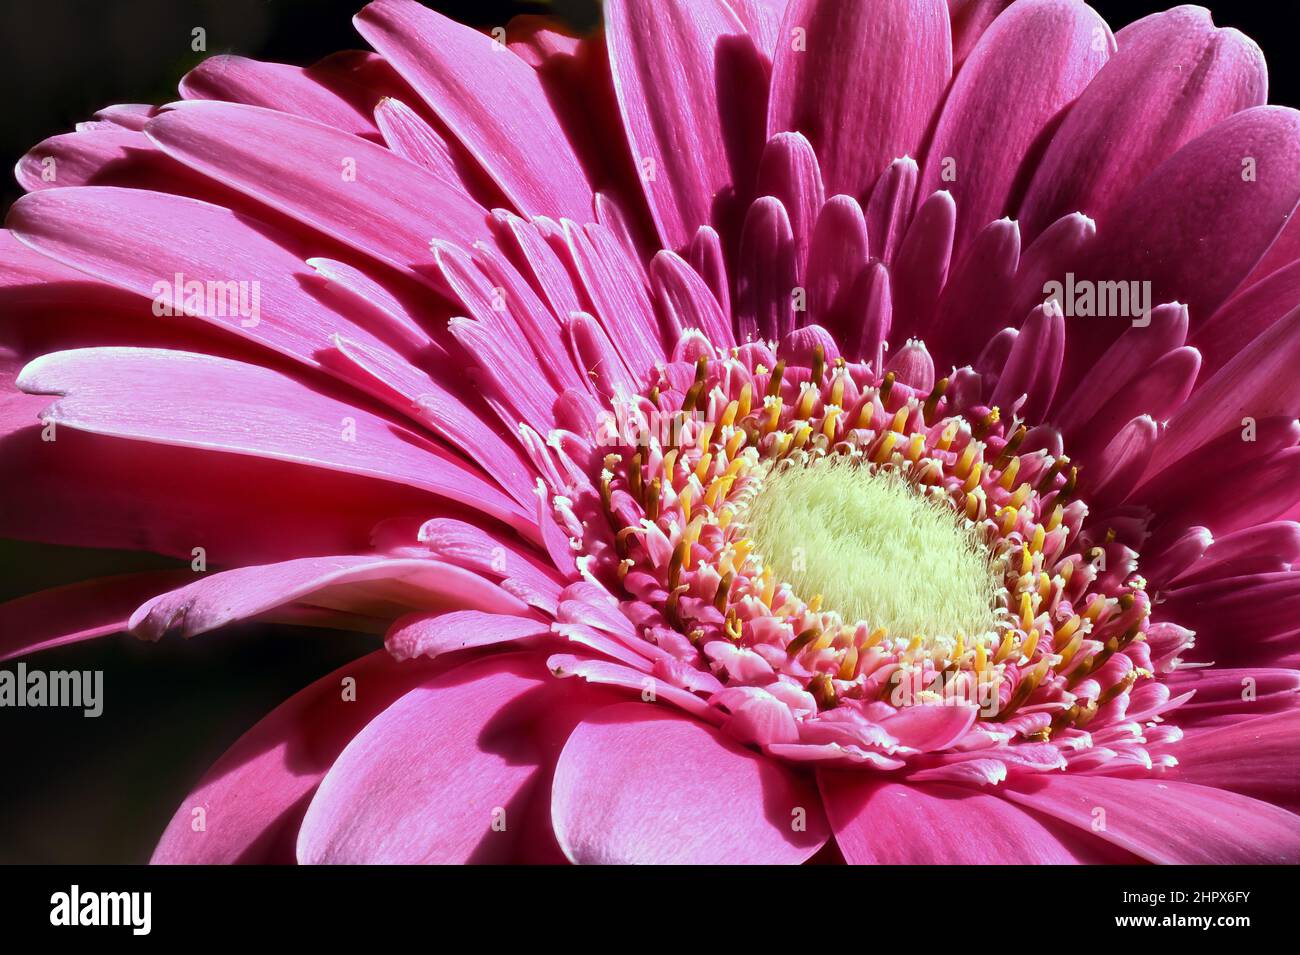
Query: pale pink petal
{"x": 432, "y": 635}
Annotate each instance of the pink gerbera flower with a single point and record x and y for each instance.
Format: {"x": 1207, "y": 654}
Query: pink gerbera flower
{"x": 855, "y": 429}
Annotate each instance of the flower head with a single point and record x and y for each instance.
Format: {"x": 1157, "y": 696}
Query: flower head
{"x": 763, "y": 429}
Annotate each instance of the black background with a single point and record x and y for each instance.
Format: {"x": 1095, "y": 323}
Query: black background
{"x": 101, "y": 790}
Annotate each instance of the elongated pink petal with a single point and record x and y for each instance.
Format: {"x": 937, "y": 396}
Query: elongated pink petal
{"x": 1247, "y": 315}
{"x": 1167, "y": 822}
{"x": 494, "y": 104}
{"x": 314, "y": 93}
{"x": 351, "y": 583}
{"x": 1254, "y": 757}
{"x": 861, "y": 81}
{"x": 639, "y": 784}
{"x": 475, "y": 790}
{"x": 356, "y": 191}
{"x": 245, "y": 409}
{"x": 75, "y": 612}
{"x": 665, "y": 60}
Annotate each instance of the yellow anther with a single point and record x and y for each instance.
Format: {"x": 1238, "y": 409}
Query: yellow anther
{"x": 729, "y": 414}
{"x": 1026, "y": 560}
{"x": 876, "y": 636}
{"x": 973, "y": 479}
{"x": 773, "y": 407}
{"x": 807, "y": 395}
{"x": 828, "y": 425}
{"x": 981, "y": 657}
{"x": 900, "y": 419}
{"x": 964, "y": 462}
{"x": 837, "y": 389}
{"x": 1004, "y": 649}
{"x": 1039, "y": 538}
{"x": 915, "y": 447}
{"x": 1066, "y": 630}
{"x": 1071, "y": 649}
{"x": 734, "y": 442}
{"x": 1044, "y": 585}
{"x": 684, "y": 500}
{"x": 848, "y": 664}
{"x": 1020, "y": 496}
{"x": 1026, "y": 610}
{"x": 1008, "y": 478}
{"x": 885, "y": 448}
{"x": 706, "y": 434}
{"x": 1054, "y": 521}
{"x": 702, "y": 467}
{"x": 815, "y": 605}
{"x": 1007, "y": 517}
{"x": 769, "y": 586}
{"x": 801, "y": 436}
{"x": 746, "y": 399}
{"x": 948, "y": 435}
{"x": 668, "y": 465}
{"x": 1030, "y": 645}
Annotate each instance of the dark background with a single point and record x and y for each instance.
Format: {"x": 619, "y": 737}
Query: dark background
{"x": 101, "y": 790}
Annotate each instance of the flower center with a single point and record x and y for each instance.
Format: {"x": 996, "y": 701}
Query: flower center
{"x": 874, "y": 546}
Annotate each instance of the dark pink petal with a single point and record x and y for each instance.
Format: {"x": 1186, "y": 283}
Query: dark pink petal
{"x": 1247, "y": 315}
{"x": 1265, "y": 548}
{"x": 1245, "y": 176}
{"x": 970, "y": 18}
{"x": 199, "y": 401}
{"x": 975, "y": 300}
{"x": 1245, "y": 620}
{"x": 861, "y": 82}
{"x": 1121, "y": 463}
{"x": 639, "y": 784}
{"x": 1030, "y": 64}
{"x": 898, "y": 823}
{"x": 920, "y": 268}
{"x": 1225, "y": 697}
{"x": 765, "y": 273}
{"x": 1256, "y": 383}
{"x": 1168, "y": 84}
{"x": 839, "y": 252}
{"x": 1034, "y": 365}
{"x": 1166, "y": 822}
{"x": 457, "y": 770}
{"x": 665, "y": 60}
{"x": 789, "y": 171}
{"x": 253, "y": 798}
{"x": 75, "y": 612}
{"x": 494, "y": 104}
{"x": 889, "y": 210}
{"x": 1254, "y": 757}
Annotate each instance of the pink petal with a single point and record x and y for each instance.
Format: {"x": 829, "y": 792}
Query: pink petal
{"x": 431, "y": 635}
{"x": 863, "y": 86}
{"x": 352, "y": 583}
{"x": 1247, "y": 315}
{"x": 1256, "y": 383}
{"x": 1254, "y": 757}
{"x": 1166, "y": 822}
{"x": 253, "y": 797}
{"x": 765, "y": 273}
{"x": 1168, "y": 83}
{"x": 455, "y": 771}
{"x": 637, "y": 784}
{"x": 389, "y": 208}
{"x": 494, "y": 104}
{"x": 75, "y": 612}
{"x": 686, "y": 299}
{"x": 1031, "y": 63}
{"x": 246, "y": 409}
{"x": 311, "y": 93}
{"x": 897, "y": 823}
